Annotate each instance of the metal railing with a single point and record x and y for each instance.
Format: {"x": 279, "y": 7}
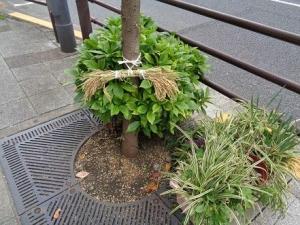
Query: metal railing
{"x": 86, "y": 20}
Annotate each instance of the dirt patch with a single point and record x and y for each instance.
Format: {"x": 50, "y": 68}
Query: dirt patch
{"x": 114, "y": 178}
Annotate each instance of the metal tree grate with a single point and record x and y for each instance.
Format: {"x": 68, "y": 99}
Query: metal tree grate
{"x": 38, "y": 164}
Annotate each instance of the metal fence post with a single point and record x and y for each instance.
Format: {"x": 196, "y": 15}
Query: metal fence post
{"x": 63, "y": 24}
{"x": 84, "y": 18}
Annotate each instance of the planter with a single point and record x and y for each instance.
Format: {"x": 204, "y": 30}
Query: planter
{"x": 261, "y": 168}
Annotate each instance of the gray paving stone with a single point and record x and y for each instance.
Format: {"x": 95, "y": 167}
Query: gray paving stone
{"x": 9, "y": 88}
{"x": 37, "y": 120}
{"x": 7, "y": 214}
{"x": 31, "y": 72}
{"x": 4, "y": 199}
{"x": 63, "y": 78}
{"x": 20, "y": 26}
{"x": 59, "y": 65}
{"x": 54, "y": 54}
{"x": 54, "y": 99}
{"x": 9, "y": 221}
{"x": 36, "y": 57}
{"x": 293, "y": 213}
{"x": 15, "y": 36}
{"x": 15, "y": 111}
{"x": 295, "y": 189}
{"x": 10, "y": 49}
{"x": 34, "y": 86}
{"x": 4, "y": 28}
{"x": 22, "y": 60}
{"x": 70, "y": 88}
{"x": 3, "y": 63}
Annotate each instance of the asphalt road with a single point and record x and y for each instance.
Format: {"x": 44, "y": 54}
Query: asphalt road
{"x": 267, "y": 53}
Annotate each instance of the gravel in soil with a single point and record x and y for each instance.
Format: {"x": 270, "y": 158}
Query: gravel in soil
{"x": 115, "y": 178}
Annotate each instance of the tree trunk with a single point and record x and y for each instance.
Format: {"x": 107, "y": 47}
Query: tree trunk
{"x": 130, "y": 45}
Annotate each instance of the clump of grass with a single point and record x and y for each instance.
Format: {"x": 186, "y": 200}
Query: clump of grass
{"x": 216, "y": 173}
{"x": 272, "y": 137}
{"x": 218, "y": 185}
{"x": 2, "y": 16}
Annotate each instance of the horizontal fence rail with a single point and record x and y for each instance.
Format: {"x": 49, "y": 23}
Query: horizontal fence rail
{"x": 256, "y": 27}
{"x": 239, "y": 22}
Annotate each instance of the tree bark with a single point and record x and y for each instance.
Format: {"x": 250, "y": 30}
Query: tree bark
{"x": 130, "y": 11}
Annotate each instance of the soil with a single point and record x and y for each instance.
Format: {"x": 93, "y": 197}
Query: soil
{"x": 115, "y": 178}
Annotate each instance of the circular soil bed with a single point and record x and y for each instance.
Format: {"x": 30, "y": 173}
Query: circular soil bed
{"x": 115, "y": 178}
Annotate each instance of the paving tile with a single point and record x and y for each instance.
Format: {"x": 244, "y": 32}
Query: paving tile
{"x": 30, "y": 71}
{"x": 9, "y": 221}
{"x": 15, "y": 111}
{"x": 292, "y": 216}
{"x": 20, "y": 25}
{"x": 36, "y": 57}
{"x": 70, "y": 88}
{"x": 267, "y": 217}
{"x": 2, "y": 63}
{"x": 7, "y": 215}
{"x": 21, "y": 37}
{"x": 61, "y": 64}
{"x": 37, "y": 120}
{"x": 22, "y": 60}
{"x": 37, "y": 85}
{"x": 10, "y": 49}
{"x": 295, "y": 189}
{"x": 54, "y": 99}
{"x": 62, "y": 77}
{"x": 54, "y": 54}
{"x": 4, "y": 28}
{"x": 9, "y": 88}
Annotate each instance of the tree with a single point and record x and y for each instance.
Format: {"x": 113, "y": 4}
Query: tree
{"x": 130, "y": 11}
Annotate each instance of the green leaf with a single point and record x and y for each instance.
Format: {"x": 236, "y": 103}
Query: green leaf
{"x": 114, "y": 110}
{"x": 154, "y": 128}
{"x": 125, "y": 111}
{"x": 150, "y": 117}
{"x": 118, "y": 91}
{"x": 156, "y": 108}
{"x": 131, "y": 105}
{"x": 91, "y": 64}
{"x": 132, "y": 127}
{"x": 146, "y": 84}
{"x": 129, "y": 87}
{"x": 142, "y": 109}
{"x": 149, "y": 58}
{"x": 90, "y": 43}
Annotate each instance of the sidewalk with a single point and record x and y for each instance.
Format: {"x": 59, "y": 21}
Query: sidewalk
{"x": 34, "y": 89}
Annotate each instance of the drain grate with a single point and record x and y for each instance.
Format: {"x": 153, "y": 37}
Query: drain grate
{"x": 38, "y": 164}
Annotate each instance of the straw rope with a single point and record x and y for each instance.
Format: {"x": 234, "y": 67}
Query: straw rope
{"x": 163, "y": 80}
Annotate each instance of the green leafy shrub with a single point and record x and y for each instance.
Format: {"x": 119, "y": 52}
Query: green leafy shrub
{"x": 138, "y": 102}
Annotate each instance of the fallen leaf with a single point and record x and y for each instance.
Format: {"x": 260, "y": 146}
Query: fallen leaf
{"x": 151, "y": 187}
{"x": 56, "y": 214}
{"x": 81, "y": 156}
{"x": 82, "y": 174}
{"x": 168, "y": 167}
{"x": 155, "y": 176}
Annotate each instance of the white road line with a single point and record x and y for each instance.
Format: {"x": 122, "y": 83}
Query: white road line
{"x": 22, "y": 4}
{"x": 287, "y": 3}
